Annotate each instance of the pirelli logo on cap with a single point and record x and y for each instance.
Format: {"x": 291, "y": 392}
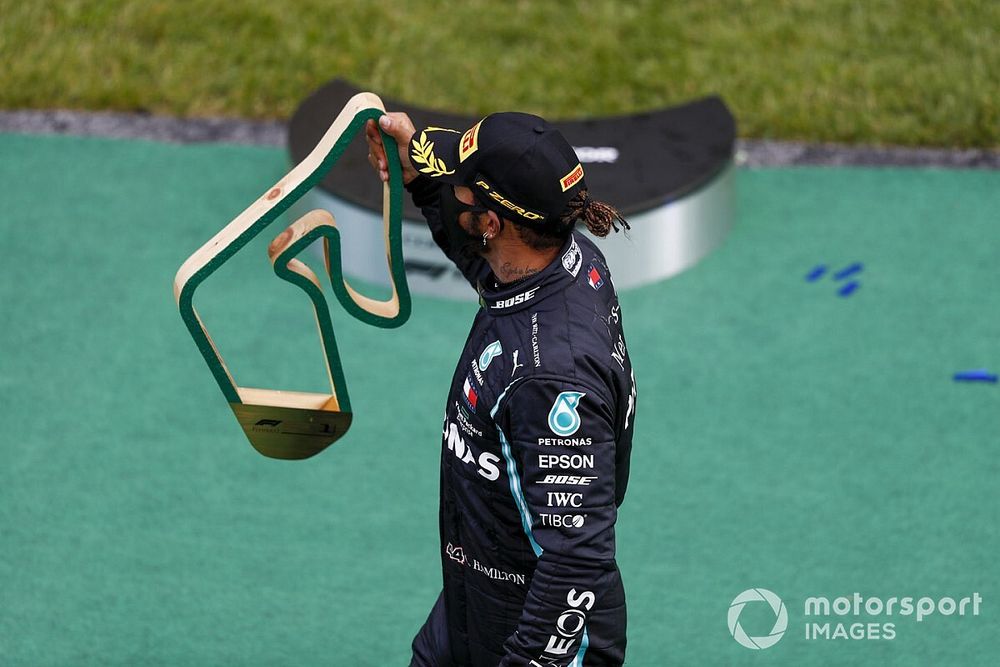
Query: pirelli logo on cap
{"x": 506, "y": 203}
{"x": 572, "y": 178}
{"x": 469, "y": 143}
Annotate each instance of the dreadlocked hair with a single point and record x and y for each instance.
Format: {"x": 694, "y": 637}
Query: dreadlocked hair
{"x": 599, "y": 217}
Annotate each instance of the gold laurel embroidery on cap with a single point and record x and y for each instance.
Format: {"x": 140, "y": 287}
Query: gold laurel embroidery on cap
{"x": 423, "y": 153}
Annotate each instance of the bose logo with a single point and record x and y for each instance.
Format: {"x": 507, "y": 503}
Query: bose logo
{"x": 574, "y": 480}
{"x": 514, "y": 300}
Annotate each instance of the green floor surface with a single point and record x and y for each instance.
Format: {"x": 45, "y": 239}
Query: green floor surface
{"x": 787, "y": 438}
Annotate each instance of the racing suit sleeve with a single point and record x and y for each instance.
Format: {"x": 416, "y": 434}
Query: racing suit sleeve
{"x": 425, "y": 192}
{"x": 559, "y": 445}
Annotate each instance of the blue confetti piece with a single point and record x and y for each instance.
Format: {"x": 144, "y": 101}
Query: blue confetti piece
{"x": 848, "y": 289}
{"x": 978, "y": 375}
{"x": 857, "y": 267}
{"x": 816, "y": 273}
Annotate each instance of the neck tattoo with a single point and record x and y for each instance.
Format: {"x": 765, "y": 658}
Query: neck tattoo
{"x": 510, "y": 274}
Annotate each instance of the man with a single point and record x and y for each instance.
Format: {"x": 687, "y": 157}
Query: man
{"x": 538, "y": 425}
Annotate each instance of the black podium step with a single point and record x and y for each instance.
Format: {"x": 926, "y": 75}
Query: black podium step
{"x": 669, "y": 171}
{"x": 636, "y": 162}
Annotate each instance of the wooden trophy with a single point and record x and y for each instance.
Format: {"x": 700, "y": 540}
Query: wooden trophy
{"x": 290, "y": 424}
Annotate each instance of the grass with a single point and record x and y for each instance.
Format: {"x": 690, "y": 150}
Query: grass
{"x": 907, "y": 72}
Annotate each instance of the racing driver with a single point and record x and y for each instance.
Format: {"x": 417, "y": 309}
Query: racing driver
{"x": 538, "y": 425}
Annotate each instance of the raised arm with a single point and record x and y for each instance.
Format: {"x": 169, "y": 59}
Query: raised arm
{"x": 425, "y": 191}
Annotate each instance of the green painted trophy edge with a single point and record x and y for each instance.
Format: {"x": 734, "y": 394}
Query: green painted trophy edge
{"x": 397, "y": 271}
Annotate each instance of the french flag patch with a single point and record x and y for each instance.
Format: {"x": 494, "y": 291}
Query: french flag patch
{"x": 594, "y": 277}
{"x": 470, "y": 395}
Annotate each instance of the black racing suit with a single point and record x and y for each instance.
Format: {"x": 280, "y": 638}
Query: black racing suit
{"x": 535, "y": 456}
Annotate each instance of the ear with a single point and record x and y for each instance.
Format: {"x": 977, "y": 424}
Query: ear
{"x": 494, "y": 224}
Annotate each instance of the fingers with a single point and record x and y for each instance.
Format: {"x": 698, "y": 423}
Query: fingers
{"x": 398, "y": 126}
{"x": 376, "y": 150}
{"x": 379, "y": 165}
{"x": 374, "y": 138}
{"x": 379, "y": 168}
{"x": 372, "y": 133}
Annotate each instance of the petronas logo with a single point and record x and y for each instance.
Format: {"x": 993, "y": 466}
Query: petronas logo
{"x": 563, "y": 418}
{"x": 492, "y": 350}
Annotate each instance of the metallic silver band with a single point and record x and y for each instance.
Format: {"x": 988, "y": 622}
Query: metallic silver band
{"x": 663, "y": 241}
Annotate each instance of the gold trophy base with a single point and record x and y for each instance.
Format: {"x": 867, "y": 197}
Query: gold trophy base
{"x": 290, "y": 425}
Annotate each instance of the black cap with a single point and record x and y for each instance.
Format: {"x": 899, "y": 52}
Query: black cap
{"x": 515, "y": 163}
